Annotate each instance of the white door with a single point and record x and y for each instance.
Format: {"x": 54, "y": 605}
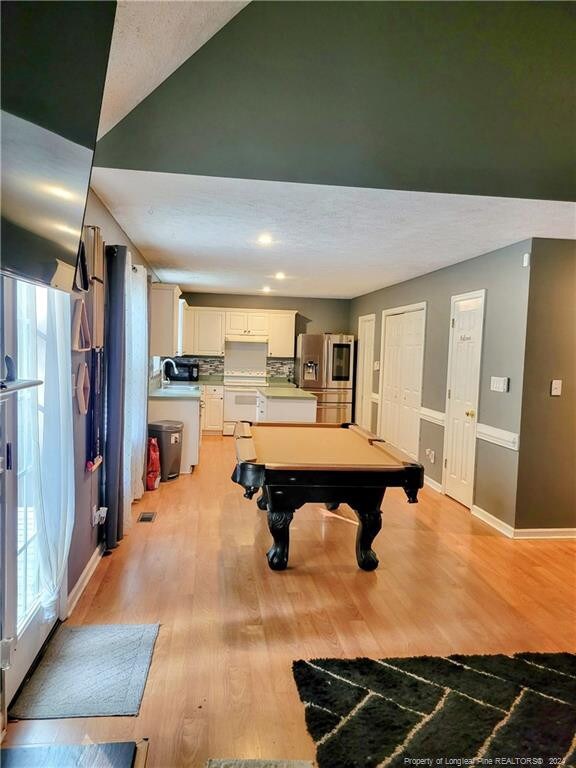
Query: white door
{"x": 366, "y": 325}
{"x": 411, "y": 363}
{"x": 465, "y": 353}
{"x": 401, "y": 387}
{"x": 390, "y": 400}
{"x": 23, "y": 618}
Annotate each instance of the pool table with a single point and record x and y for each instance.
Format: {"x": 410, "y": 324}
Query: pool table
{"x": 329, "y": 463}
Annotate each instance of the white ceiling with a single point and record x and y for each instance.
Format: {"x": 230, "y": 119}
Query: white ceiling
{"x": 201, "y": 232}
{"x": 151, "y": 39}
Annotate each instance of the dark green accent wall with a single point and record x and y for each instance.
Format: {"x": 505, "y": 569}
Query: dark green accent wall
{"x": 461, "y": 97}
{"x": 54, "y": 59}
{"x": 546, "y": 496}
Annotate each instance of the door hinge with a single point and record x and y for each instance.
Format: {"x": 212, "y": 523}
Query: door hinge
{"x": 452, "y": 322}
{"x": 449, "y": 394}
{"x": 6, "y": 645}
{"x": 445, "y": 463}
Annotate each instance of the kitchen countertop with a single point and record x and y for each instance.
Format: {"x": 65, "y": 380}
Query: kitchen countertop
{"x": 287, "y": 393}
{"x": 180, "y": 392}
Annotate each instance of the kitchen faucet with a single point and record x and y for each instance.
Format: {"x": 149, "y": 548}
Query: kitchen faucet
{"x": 164, "y": 380}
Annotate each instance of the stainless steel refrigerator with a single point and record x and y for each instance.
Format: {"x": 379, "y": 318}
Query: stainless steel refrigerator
{"x": 325, "y": 367}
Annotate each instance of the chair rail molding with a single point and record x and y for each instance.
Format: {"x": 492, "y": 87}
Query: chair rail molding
{"x": 498, "y": 436}
{"x": 435, "y": 417}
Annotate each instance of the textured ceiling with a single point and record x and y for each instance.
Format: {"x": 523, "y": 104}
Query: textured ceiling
{"x": 151, "y": 39}
{"x": 202, "y": 232}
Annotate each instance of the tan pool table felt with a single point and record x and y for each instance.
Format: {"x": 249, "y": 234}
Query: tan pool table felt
{"x": 301, "y": 446}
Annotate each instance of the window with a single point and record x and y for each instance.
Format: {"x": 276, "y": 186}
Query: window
{"x": 31, "y": 338}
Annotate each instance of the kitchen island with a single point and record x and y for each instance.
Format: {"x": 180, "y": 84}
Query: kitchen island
{"x": 285, "y": 404}
{"x": 179, "y": 402}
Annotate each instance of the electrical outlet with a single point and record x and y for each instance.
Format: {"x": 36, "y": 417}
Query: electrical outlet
{"x": 95, "y": 516}
{"x": 102, "y": 512}
{"x": 376, "y": 365}
{"x": 431, "y": 455}
{"x": 556, "y": 387}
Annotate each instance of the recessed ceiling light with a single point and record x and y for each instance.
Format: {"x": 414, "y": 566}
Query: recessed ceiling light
{"x": 279, "y": 275}
{"x": 266, "y": 289}
{"x": 265, "y": 239}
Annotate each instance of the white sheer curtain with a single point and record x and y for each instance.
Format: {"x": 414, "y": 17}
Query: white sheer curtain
{"x": 136, "y": 385}
{"x": 44, "y": 352}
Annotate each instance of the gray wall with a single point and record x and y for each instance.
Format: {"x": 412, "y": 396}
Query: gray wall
{"x": 547, "y": 471}
{"x": 84, "y": 536}
{"x": 314, "y": 315}
{"x": 506, "y": 282}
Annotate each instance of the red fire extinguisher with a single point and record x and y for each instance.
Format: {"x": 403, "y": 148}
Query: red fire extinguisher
{"x": 153, "y": 466}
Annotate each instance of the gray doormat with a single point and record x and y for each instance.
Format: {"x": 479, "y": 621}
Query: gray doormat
{"x": 90, "y": 671}
{"x": 110, "y": 755}
{"x": 435, "y": 711}
{"x": 258, "y": 764}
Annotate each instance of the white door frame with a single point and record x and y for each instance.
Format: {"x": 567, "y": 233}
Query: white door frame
{"x": 362, "y": 375}
{"x": 386, "y": 313}
{"x": 479, "y": 294}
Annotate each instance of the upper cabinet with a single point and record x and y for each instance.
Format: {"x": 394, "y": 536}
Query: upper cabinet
{"x": 205, "y": 329}
{"x": 246, "y": 322}
{"x": 164, "y": 319}
{"x": 208, "y": 331}
{"x": 281, "y": 334}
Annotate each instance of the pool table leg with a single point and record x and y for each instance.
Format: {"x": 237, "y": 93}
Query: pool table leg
{"x": 370, "y": 523}
{"x": 262, "y": 500}
{"x": 279, "y": 526}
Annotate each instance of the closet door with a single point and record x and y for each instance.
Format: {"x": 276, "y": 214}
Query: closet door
{"x": 411, "y": 362}
{"x": 401, "y": 396}
{"x": 392, "y": 378}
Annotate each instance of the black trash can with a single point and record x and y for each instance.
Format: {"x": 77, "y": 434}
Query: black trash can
{"x": 169, "y": 436}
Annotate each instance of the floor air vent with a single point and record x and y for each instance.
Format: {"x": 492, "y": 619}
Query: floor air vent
{"x": 146, "y": 517}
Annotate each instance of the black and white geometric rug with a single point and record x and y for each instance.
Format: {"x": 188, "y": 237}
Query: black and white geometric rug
{"x": 427, "y": 712}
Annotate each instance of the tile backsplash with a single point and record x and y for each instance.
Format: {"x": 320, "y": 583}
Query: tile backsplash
{"x": 280, "y": 366}
{"x": 214, "y": 366}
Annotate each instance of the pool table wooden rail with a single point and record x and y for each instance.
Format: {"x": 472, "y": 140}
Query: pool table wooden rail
{"x": 286, "y": 485}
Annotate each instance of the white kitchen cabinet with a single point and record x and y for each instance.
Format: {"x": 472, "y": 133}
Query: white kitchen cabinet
{"x": 247, "y": 322}
{"x": 188, "y": 319}
{"x": 208, "y": 331}
{"x": 286, "y": 409}
{"x": 186, "y": 410}
{"x": 213, "y": 417}
{"x": 164, "y": 312}
{"x": 281, "y": 334}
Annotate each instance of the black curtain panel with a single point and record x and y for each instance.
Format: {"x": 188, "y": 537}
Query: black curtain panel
{"x": 115, "y": 329}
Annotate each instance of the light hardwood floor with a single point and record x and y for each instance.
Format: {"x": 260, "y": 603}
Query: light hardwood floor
{"x": 220, "y": 684}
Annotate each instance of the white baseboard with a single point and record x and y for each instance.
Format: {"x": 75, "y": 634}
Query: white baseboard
{"x": 522, "y": 533}
{"x": 493, "y": 521}
{"x": 85, "y": 576}
{"x": 434, "y": 484}
{"x": 545, "y": 533}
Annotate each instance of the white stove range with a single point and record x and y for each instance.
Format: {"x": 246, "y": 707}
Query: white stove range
{"x": 245, "y": 378}
{"x": 241, "y": 396}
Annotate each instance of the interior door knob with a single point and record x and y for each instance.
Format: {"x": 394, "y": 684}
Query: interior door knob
{"x": 471, "y": 413}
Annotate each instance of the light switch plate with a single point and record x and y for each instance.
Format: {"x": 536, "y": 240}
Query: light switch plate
{"x": 376, "y": 365}
{"x": 556, "y": 387}
{"x": 499, "y": 383}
